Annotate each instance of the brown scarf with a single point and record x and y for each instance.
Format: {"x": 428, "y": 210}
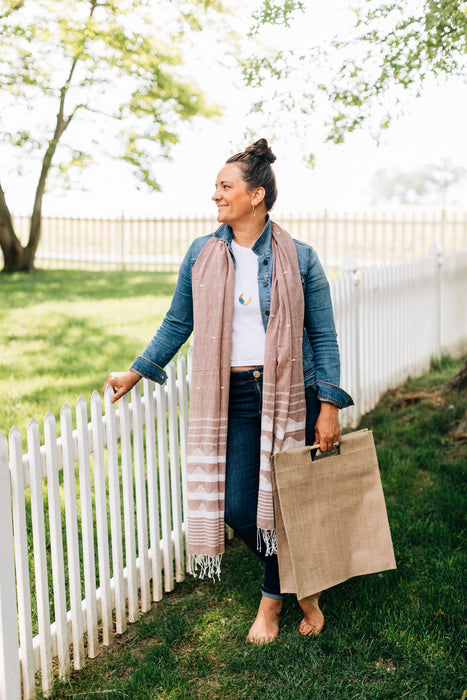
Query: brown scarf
{"x": 283, "y": 409}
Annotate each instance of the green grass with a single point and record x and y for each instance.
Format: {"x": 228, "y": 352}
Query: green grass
{"x": 398, "y": 634}
{"x": 62, "y": 332}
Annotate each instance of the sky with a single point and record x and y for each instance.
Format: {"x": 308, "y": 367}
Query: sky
{"x": 432, "y": 128}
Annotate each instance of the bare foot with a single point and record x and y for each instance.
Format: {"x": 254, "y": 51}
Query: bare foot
{"x": 313, "y": 622}
{"x": 265, "y": 628}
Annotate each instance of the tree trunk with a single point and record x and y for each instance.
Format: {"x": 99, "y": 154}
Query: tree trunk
{"x": 14, "y": 254}
{"x": 36, "y": 218}
{"x": 19, "y": 258}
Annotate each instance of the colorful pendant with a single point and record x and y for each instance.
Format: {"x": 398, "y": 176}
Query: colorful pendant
{"x": 243, "y": 301}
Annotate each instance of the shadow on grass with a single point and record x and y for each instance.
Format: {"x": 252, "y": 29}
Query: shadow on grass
{"x": 19, "y": 290}
{"x": 62, "y": 332}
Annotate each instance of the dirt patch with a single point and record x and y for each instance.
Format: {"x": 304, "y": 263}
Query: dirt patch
{"x": 459, "y": 382}
{"x": 386, "y": 665}
{"x": 459, "y": 432}
{"x": 401, "y": 398}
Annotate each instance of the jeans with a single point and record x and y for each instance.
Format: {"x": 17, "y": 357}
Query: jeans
{"x": 243, "y": 459}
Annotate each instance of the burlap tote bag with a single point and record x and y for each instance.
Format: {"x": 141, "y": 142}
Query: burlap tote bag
{"x": 331, "y": 518}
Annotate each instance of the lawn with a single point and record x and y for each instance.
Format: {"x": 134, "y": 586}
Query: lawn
{"x": 397, "y": 634}
{"x": 63, "y": 331}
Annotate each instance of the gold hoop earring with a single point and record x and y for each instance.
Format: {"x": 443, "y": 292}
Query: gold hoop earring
{"x": 253, "y": 210}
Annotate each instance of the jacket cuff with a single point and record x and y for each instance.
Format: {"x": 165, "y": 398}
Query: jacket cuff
{"x": 333, "y": 394}
{"x": 148, "y": 369}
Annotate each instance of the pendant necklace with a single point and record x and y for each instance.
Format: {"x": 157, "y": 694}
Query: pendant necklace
{"x": 243, "y": 298}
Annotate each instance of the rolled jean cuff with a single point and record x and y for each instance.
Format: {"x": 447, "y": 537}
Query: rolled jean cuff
{"x": 274, "y": 596}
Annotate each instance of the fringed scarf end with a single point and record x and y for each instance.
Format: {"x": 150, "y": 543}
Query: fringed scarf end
{"x": 208, "y": 566}
{"x": 269, "y": 538}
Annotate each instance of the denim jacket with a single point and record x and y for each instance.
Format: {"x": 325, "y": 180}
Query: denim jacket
{"x": 321, "y": 365}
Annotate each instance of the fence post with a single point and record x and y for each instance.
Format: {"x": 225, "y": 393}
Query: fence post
{"x": 326, "y": 242}
{"x": 10, "y": 681}
{"x": 349, "y": 268}
{"x": 123, "y": 240}
{"x": 444, "y": 242}
{"x": 436, "y": 252}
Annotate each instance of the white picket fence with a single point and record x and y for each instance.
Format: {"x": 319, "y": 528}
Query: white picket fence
{"x": 160, "y": 243}
{"x": 109, "y": 494}
{"x": 393, "y": 320}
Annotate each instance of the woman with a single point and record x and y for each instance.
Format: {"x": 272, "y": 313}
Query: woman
{"x": 265, "y": 355}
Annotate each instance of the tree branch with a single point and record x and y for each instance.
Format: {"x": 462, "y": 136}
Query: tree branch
{"x": 12, "y": 9}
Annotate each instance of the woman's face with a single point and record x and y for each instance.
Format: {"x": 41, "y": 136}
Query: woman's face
{"x": 234, "y": 201}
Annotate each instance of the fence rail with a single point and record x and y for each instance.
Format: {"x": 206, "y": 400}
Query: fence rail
{"x": 161, "y": 243}
{"x": 109, "y": 495}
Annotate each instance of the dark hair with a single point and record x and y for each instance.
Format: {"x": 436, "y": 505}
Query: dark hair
{"x": 255, "y": 162}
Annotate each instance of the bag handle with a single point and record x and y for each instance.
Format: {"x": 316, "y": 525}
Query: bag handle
{"x": 343, "y": 439}
{"x": 316, "y": 447}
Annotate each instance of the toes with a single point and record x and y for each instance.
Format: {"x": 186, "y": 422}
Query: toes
{"x": 310, "y": 630}
{"x": 260, "y": 640}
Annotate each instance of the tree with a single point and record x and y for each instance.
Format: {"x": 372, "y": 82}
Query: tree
{"x": 362, "y": 80}
{"x": 429, "y": 183}
{"x": 114, "y": 65}
{"x": 444, "y": 176}
{"x": 399, "y": 186}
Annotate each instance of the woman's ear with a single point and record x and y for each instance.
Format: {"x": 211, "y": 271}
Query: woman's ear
{"x": 258, "y": 196}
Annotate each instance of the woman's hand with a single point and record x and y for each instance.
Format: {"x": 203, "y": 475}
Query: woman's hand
{"x": 121, "y": 382}
{"x": 327, "y": 428}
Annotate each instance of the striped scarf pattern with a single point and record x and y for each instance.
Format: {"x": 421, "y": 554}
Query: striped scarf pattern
{"x": 283, "y": 409}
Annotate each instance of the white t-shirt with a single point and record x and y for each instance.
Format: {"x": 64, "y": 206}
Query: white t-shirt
{"x": 248, "y": 334}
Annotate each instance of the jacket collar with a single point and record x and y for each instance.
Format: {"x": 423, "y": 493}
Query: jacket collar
{"x": 262, "y": 244}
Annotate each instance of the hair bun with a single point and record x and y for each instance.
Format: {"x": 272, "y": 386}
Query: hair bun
{"x": 255, "y": 163}
{"x": 260, "y": 149}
